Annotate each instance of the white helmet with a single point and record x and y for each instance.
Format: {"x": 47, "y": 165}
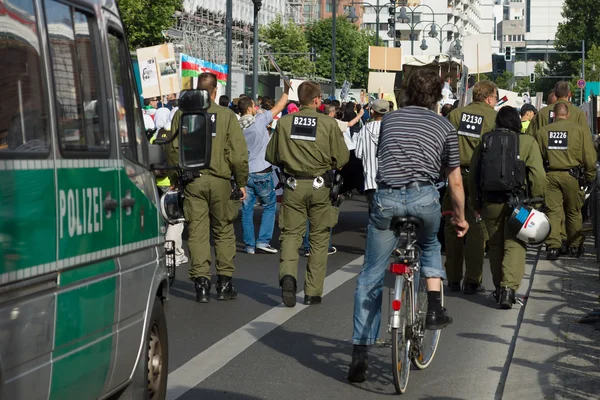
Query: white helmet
{"x": 171, "y": 207}
{"x": 529, "y": 225}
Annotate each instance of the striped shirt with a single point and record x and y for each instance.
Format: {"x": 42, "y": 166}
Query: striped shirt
{"x": 414, "y": 144}
{"x": 366, "y": 150}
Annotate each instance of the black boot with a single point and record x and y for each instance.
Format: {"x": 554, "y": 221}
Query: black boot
{"x": 564, "y": 248}
{"x": 437, "y": 317}
{"x": 552, "y": 254}
{"x": 507, "y": 298}
{"x": 473, "y": 288}
{"x": 359, "y": 364}
{"x": 496, "y": 294}
{"x": 202, "y": 286}
{"x": 288, "y": 290}
{"x": 576, "y": 251}
{"x": 225, "y": 289}
{"x": 454, "y": 286}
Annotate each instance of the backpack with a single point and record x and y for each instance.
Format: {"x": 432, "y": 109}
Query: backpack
{"x": 502, "y": 170}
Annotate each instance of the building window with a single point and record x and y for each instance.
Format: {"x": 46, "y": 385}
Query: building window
{"x": 383, "y": 27}
{"x": 328, "y": 7}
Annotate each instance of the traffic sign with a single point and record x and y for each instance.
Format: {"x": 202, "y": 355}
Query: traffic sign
{"x": 581, "y": 83}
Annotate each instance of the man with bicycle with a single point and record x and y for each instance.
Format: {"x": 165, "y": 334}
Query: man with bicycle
{"x": 415, "y": 142}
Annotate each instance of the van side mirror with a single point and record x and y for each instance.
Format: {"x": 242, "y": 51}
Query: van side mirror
{"x": 195, "y": 141}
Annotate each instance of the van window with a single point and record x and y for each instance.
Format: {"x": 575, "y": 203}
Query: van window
{"x": 131, "y": 125}
{"x": 75, "y": 81}
{"x": 23, "y": 110}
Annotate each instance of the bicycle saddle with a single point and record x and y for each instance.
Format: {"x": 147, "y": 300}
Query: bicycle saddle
{"x": 403, "y": 223}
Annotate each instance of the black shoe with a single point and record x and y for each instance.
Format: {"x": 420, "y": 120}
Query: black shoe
{"x": 288, "y": 290}
{"x": 225, "y": 289}
{"x": 496, "y": 295}
{"x": 576, "y": 251}
{"x": 359, "y": 365}
{"x": 436, "y": 320}
{"x": 454, "y": 286}
{"x": 473, "y": 288}
{"x": 564, "y": 248}
{"x": 202, "y": 286}
{"x": 552, "y": 254}
{"x": 507, "y": 298}
{"x": 312, "y": 300}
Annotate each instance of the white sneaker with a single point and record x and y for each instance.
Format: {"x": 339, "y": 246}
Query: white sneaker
{"x": 267, "y": 248}
{"x": 182, "y": 260}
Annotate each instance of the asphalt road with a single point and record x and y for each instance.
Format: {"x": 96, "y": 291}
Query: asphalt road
{"x": 255, "y": 348}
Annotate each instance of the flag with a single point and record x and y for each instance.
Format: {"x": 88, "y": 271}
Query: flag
{"x": 192, "y": 67}
{"x": 502, "y": 100}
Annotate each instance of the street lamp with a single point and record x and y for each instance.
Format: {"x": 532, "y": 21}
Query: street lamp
{"x": 257, "y": 6}
{"x": 228, "y": 44}
{"x": 377, "y": 7}
{"x": 405, "y": 19}
{"x": 433, "y": 33}
{"x": 424, "y": 44}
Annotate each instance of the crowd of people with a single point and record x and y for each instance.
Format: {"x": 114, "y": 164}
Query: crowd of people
{"x": 395, "y": 158}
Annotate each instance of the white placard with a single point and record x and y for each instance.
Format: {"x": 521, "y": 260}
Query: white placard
{"x": 478, "y": 57}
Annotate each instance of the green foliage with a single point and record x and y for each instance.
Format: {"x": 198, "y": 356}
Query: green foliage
{"x": 582, "y": 22}
{"x": 144, "y": 20}
{"x": 287, "y": 38}
{"x": 504, "y": 80}
{"x": 352, "y": 47}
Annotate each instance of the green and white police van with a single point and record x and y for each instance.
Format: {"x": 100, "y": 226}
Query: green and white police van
{"x": 82, "y": 263}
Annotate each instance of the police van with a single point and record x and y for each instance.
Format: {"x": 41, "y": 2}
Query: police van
{"x": 82, "y": 264}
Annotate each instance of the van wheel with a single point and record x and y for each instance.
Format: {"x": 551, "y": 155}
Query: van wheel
{"x": 150, "y": 377}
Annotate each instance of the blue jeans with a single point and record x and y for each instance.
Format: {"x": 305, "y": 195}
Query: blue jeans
{"x": 422, "y": 202}
{"x": 306, "y": 244}
{"x": 261, "y": 187}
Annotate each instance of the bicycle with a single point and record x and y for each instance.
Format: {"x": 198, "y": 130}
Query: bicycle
{"x": 410, "y": 340}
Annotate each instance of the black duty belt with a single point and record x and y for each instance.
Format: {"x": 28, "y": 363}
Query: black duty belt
{"x": 264, "y": 171}
{"x": 411, "y": 185}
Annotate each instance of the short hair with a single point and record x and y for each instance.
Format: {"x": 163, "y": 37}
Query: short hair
{"x": 424, "y": 88}
{"x": 448, "y": 78}
{"x": 484, "y": 89}
{"x": 207, "y": 81}
{"x": 561, "y": 110}
{"x": 508, "y": 118}
{"x": 307, "y": 91}
{"x": 329, "y": 108}
{"x": 562, "y": 89}
{"x": 244, "y": 104}
{"x": 224, "y": 101}
{"x": 268, "y": 104}
{"x": 336, "y": 103}
{"x": 446, "y": 108}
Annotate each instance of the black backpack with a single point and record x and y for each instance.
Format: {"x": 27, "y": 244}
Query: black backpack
{"x": 502, "y": 170}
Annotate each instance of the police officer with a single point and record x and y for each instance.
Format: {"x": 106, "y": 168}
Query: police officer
{"x": 306, "y": 145}
{"x": 506, "y": 252}
{"x": 566, "y": 146}
{"x": 471, "y": 122}
{"x": 207, "y": 198}
{"x": 562, "y": 91}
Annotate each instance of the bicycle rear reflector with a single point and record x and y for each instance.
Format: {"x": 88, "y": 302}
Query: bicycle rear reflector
{"x": 396, "y": 305}
{"x": 399, "y": 269}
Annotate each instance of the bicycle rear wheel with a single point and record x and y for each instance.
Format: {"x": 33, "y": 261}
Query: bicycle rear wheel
{"x": 401, "y": 343}
{"x": 427, "y": 346}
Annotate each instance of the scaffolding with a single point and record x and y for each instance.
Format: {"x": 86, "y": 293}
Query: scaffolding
{"x": 303, "y": 12}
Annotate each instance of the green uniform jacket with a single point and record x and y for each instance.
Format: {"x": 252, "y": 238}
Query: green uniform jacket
{"x": 529, "y": 152}
{"x": 565, "y": 145}
{"x": 542, "y": 118}
{"x": 471, "y": 122}
{"x": 307, "y": 144}
{"x": 229, "y": 154}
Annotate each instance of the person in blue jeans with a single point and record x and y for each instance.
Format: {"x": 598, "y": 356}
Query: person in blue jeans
{"x": 414, "y": 144}
{"x": 306, "y": 244}
{"x": 260, "y": 184}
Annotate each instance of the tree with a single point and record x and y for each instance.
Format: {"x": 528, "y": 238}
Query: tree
{"x": 287, "y": 38}
{"x": 352, "y": 50}
{"x": 504, "y": 80}
{"x": 582, "y": 22}
{"x": 144, "y": 20}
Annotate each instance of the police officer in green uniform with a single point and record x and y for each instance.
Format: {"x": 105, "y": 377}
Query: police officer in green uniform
{"x": 560, "y": 94}
{"x": 506, "y": 252}
{"x": 566, "y": 147}
{"x": 545, "y": 116}
{"x": 306, "y": 145}
{"x": 471, "y": 122}
{"x": 207, "y": 203}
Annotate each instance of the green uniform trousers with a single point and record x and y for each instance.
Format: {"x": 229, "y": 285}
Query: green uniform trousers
{"x": 564, "y": 199}
{"x": 207, "y": 205}
{"x": 297, "y": 205}
{"x": 506, "y": 252}
{"x": 470, "y": 248}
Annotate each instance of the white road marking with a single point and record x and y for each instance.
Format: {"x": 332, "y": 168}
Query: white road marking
{"x": 192, "y": 373}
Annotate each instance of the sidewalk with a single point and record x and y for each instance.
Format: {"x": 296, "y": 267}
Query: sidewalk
{"x": 556, "y": 357}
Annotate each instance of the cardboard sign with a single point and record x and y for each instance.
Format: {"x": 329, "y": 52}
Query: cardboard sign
{"x": 479, "y": 55}
{"x": 385, "y": 58}
{"x": 381, "y": 82}
{"x": 158, "y": 70}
